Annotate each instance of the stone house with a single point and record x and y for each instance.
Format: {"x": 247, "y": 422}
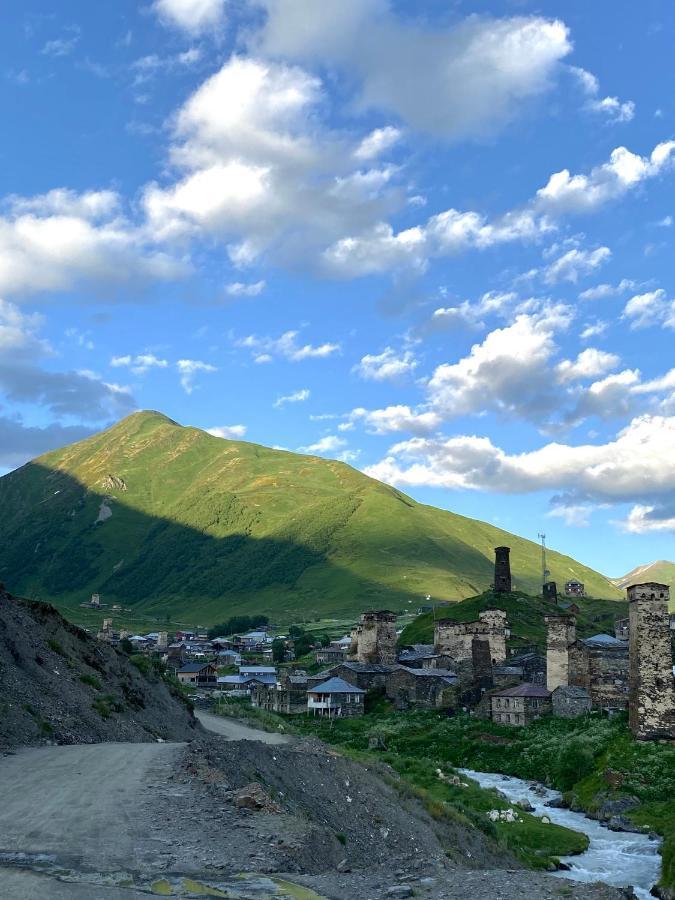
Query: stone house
{"x": 329, "y": 656}
{"x": 367, "y": 676}
{"x": 373, "y": 640}
{"x": 599, "y": 664}
{"x": 287, "y": 695}
{"x": 570, "y": 702}
{"x": 335, "y": 697}
{"x": 574, "y": 588}
{"x": 428, "y": 688}
{"x": 520, "y": 705}
{"x": 533, "y": 664}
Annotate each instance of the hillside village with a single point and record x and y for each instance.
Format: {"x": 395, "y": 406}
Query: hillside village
{"x": 468, "y": 667}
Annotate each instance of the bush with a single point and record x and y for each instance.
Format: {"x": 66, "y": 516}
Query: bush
{"x": 91, "y": 680}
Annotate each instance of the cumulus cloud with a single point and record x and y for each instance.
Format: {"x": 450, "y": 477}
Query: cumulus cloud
{"x": 650, "y": 308}
{"x": 589, "y": 364}
{"x": 296, "y": 397}
{"x": 229, "y": 432}
{"x": 386, "y": 366}
{"x": 576, "y": 263}
{"x": 611, "y": 108}
{"x": 470, "y": 313}
{"x": 603, "y": 291}
{"x": 192, "y": 16}
{"x": 59, "y": 240}
{"x": 265, "y": 349}
{"x": 377, "y": 142}
{"x": 330, "y": 444}
{"x": 565, "y": 193}
{"x": 467, "y": 80}
{"x": 188, "y": 369}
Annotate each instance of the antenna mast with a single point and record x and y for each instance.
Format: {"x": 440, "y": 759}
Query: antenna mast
{"x": 545, "y": 574}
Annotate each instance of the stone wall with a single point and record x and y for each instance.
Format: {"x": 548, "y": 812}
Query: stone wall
{"x": 603, "y": 672}
{"x": 374, "y": 639}
{"x": 570, "y": 702}
{"x": 652, "y": 695}
{"x": 455, "y": 639}
{"x": 560, "y": 635}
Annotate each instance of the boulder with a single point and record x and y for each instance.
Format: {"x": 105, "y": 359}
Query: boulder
{"x": 253, "y": 796}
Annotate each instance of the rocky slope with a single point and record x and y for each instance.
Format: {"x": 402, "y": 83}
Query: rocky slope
{"x": 58, "y": 684}
{"x": 167, "y": 519}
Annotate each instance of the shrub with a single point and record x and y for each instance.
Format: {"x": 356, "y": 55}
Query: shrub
{"x": 91, "y": 680}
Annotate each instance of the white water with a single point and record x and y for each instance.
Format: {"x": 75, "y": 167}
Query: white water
{"x": 615, "y": 857}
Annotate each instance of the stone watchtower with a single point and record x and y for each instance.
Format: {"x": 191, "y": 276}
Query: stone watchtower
{"x": 376, "y": 638}
{"x": 502, "y": 570}
{"x": 561, "y": 634}
{"x": 651, "y": 709}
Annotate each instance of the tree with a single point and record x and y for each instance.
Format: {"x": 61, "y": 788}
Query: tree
{"x": 278, "y": 650}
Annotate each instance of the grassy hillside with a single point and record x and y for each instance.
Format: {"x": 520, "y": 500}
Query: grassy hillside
{"x": 662, "y": 571}
{"x": 525, "y": 614}
{"x": 170, "y": 520}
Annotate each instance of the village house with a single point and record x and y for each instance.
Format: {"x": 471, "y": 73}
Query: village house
{"x": 367, "y": 676}
{"x": 335, "y": 697}
{"x": 428, "y": 687}
{"x": 373, "y": 640}
{"x": 453, "y": 639}
{"x": 249, "y": 677}
{"x": 287, "y": 695}
{"x": 570, "y": 702}
{"x": 329, "y": 656}
{"x": 599, "y": 664}
{"x": 198, "y": 675}
{"x": 574, "y": 588}
{"x": 422, "y": 656}
{"x": 520, "y": 705}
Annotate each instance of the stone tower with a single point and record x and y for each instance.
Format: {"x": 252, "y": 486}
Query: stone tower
{"x": 481, "y": 657}
{"x": 561, "y": 634}
{"x": 651, "y": 705}
{"x": 376, "y": 638}
{"x": 502, "y": 570}
{"x": 550, "y": 591}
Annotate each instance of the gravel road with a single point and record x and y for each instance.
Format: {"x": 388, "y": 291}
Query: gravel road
{"x": 237, "y": 731}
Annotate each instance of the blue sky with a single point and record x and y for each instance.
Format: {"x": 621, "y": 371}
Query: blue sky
{"x": 432, "y": 239}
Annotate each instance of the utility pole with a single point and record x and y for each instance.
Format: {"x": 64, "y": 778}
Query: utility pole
{"x": 545, "y": 574}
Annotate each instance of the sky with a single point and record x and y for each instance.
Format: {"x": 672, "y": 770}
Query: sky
{"x": 431, "y": 239}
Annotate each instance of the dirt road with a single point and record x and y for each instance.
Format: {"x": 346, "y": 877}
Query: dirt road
{"x": 233, "y": 730}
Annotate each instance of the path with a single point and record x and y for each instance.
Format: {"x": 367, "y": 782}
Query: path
{"x": 233, "y": 730}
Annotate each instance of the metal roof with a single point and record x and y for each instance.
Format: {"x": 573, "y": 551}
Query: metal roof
{"x": 194, "y": 667}
{"x": 335, "y": 686}
{"x": 604, "y": 640}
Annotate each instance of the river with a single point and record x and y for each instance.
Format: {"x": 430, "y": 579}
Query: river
{"x": 615, "y": 857}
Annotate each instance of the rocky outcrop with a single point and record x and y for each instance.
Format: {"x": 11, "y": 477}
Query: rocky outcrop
{"x": 60, "y": 685}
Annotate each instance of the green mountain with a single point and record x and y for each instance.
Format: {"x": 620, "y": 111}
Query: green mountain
{"x": 169, "y": 520}
{"x": 662, "y": 572}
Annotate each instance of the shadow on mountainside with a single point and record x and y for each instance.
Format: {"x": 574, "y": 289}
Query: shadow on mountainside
{"x": 66, "y": 541}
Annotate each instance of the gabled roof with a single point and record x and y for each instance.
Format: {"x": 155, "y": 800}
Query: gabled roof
{"x": 603, "y": 640}
{"x": 194, "y": 667}
{"x": 258, "y": 670}
{"x": 335, "y": 686}
{"x": 524, "y": 690}
{"x": 429, "y": 672}
{"x": 372, "y": 668}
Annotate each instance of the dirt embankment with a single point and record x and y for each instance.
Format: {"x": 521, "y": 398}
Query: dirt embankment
{"x": 58, "y": 684}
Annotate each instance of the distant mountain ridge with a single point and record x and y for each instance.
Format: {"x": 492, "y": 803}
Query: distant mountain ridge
{"x": 171, "y": 520}
{"x": 661, "y": 571}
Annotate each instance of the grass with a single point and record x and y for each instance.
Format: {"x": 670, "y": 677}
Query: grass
{"x": 207, "y": 528}
{"x": 240, "y": 708}
{"x": 92, "y": 681}
{"x": 583, "y": 757}
{"x": 107, "y": 705}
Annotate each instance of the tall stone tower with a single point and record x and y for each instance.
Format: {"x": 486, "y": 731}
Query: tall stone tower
{"x": 651, "y": 705}
{"x": 550, "y": 591}
{"x": 502, "y": 570}
{"x": 376, "y": 638}
{"x": 561, "y": 634}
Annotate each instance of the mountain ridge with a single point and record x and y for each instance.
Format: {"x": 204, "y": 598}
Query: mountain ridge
{"x": 167, "y": 518}
{"x": 661, "y": 571}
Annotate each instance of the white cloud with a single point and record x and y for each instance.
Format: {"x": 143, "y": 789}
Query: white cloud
{"x": 59, "y": 240}
{"x": 638, "y": 463}
{"x": 377, "y": 142}
{"x": 611, "y": 107}
{"x": 650, "y": 308}
{"x": 328, "y": 444}
{"x": 397, "y": 418}
{"x": 470, "y": 314}
{"x": 574, "y": 516}
{"x": 467, "y": 80}
{"x": 139, "y": 364}
{"x": 386, "y": 366}
{"x": 188, "y": 369}
{"x": 296, "y": 397}
{"x": 567, "y": 193}
{"x": 589, "y": 364}
{"x": 63, "y": 46}
{"x": 643, "y": 519}
{"x": 576, "y": 263}
{"x": 602, "y": 291}
{"x": 229, "y": 432}
{"x": 240, "y": 289}
{"x": 593, "y": 330}
{"x": 265, "y": 349}
{"x": 192, "y": 16}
